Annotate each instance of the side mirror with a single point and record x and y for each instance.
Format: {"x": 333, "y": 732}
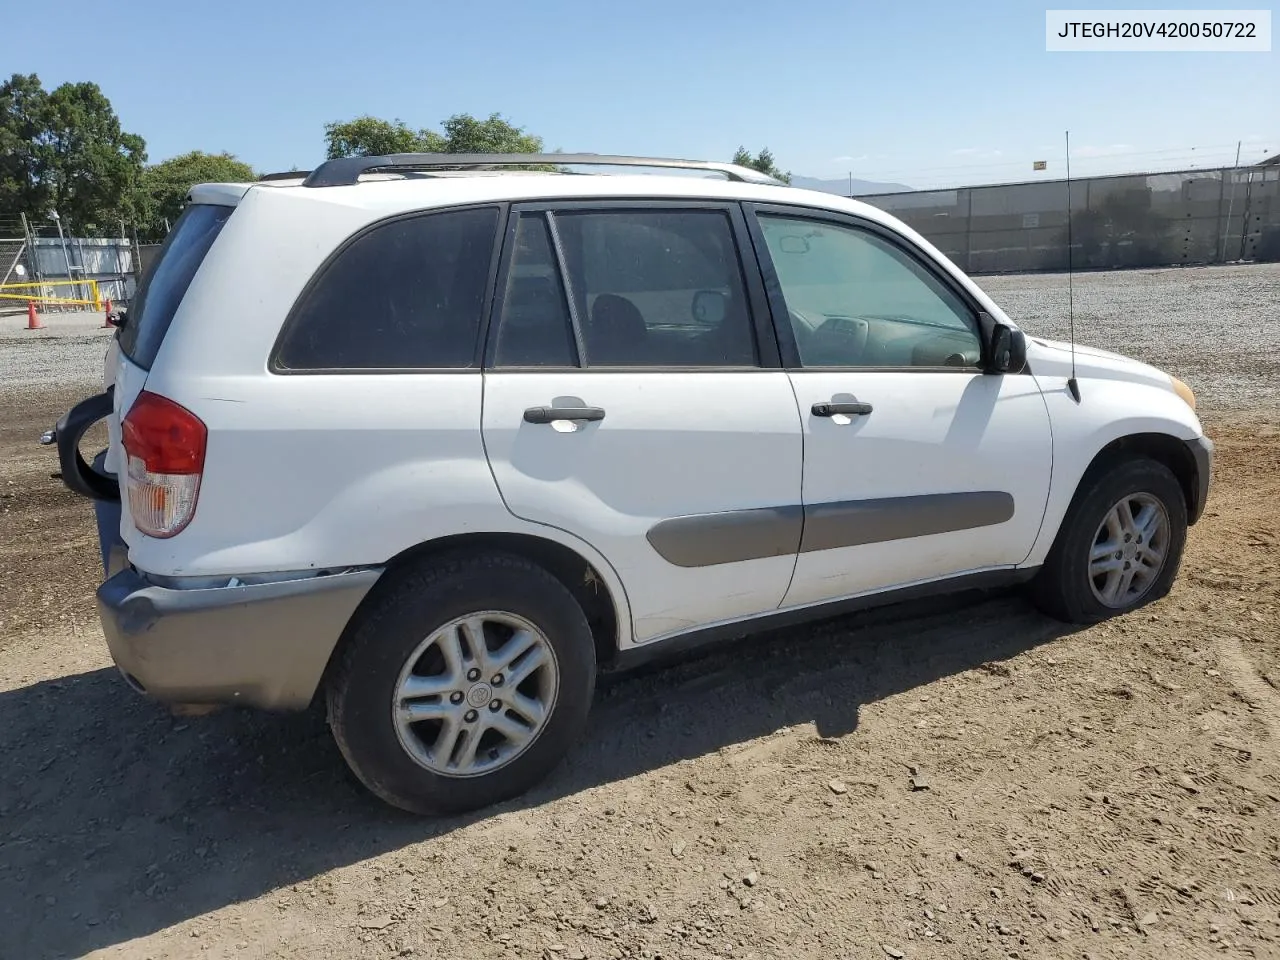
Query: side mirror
{"x": 709, "y": 307}
{"x": 1008, "y": 350}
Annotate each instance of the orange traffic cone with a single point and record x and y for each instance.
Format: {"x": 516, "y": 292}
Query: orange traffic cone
{"x": 33, "y": 319}
{"x": 106, "y": 316}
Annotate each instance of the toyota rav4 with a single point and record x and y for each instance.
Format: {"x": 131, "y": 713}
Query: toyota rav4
{"x": 434, "y": 439}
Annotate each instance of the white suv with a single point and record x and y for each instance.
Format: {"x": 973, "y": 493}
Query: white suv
{"x": 436, "y": 441}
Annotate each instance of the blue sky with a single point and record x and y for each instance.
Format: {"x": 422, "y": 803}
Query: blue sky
{"x": 927, "y": 93}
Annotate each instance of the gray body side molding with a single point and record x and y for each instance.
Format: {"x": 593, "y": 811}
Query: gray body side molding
{"x": 705, "y": 539}
{"x": 702, "y": 540}
{"x": 851, "y": 523}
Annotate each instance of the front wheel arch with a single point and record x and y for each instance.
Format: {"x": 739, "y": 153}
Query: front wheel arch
{"x": 1160, "y": 447}
{"x": 1061, "y": 586}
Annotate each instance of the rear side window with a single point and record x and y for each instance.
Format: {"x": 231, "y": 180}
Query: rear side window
{"x": 165, "y": 286}
{"x": 405, "y": 294}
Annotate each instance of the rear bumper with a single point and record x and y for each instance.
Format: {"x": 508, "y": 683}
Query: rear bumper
{"x": 261, "y": 644}
{"x": 1202, "y": 451}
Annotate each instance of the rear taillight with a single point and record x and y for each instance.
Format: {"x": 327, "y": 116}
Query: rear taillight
{"x": 165, "y": 445}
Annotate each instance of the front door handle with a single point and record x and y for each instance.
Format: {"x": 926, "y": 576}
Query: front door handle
{"x": 550, "y": 414}
{"x": 848, "y": 409}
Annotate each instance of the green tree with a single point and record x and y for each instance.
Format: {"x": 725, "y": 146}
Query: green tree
{"x": 165, "y": 185}
{"x": 23, "y": 108}
{"x": 763, "y": 161}
{"x": 462, "y": 133}
{"x": 66, "y": 151}
{"x": 369, "y": 137}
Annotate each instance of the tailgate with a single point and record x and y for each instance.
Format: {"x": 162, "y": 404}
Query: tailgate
{"x": 134, "y": 349}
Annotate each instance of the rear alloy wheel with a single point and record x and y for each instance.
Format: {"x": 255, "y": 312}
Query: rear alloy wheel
{"x": 476, "y": 694}
{"x": 464, "y": 681}
{"x": 1119, "y": 545}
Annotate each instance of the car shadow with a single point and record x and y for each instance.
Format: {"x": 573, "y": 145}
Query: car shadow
{"x": 118, "y": 820}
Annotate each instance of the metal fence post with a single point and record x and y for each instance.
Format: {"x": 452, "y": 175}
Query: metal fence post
{"x": 137, "y": 263}
{"x": 1244, "y": 217}
{"x": 1224, "y": 222}
{"x": 83, "y": 286}
{"x": 29, "y": 235}
{"x": 968, "y": 232}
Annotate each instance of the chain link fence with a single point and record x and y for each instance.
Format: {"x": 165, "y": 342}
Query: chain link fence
{"x": 1136, "y": 220}
{"x": 45, "y": 261}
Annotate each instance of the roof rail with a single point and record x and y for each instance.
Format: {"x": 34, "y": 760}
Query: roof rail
{"x": 284, "y": 175}
{"x": 347, "y": 170}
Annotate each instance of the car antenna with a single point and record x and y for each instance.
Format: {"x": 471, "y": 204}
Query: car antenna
{"x": 1072, "y": 383}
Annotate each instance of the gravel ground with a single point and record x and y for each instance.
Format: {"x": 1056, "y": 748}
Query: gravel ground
{"x": 1218, "y": 328}
{"x": 1109, "y": 792}
{"x": 68, "y": 350}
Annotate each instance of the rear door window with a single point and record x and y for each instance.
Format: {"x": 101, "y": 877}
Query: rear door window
{"x": 165, "y": 286}
{"x": 406, "y": 294}
{"x": 534, "y": 329}
{"x": 658, "y": 288}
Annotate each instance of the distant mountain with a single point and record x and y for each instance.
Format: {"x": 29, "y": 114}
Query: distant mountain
{"x": 841, "y": 186}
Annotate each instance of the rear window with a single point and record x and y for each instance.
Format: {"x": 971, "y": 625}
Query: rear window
{"x": 165, "y": 286}
{"x": 405, "y": 294}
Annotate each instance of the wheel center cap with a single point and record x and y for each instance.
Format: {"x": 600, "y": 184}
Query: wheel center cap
{"x": 1130, "y": 551}
{"x": 480, "y": 695}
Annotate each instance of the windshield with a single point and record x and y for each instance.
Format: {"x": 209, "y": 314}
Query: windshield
{"x": 180, "y": 257}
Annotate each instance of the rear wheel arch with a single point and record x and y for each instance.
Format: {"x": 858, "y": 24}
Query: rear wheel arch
{"x": 578, "y": 575}
{"x": 438, "y": 643}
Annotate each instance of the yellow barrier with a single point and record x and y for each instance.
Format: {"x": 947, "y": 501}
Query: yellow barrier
{"x": 95, "y": 300}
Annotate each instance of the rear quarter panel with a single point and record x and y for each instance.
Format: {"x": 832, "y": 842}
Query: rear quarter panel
{"x": 332, "y": 471}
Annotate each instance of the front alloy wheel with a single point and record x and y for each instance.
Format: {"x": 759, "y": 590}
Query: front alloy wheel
{"x": 1118, "y": 547}
{"x": 1129, "y": 550}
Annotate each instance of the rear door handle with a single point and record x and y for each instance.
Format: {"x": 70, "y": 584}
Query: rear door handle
{"x": 550, "y": 414}
{"x": 848, "y": 409}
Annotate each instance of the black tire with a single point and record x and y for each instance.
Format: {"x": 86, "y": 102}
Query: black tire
{"x": 1062, "y": 588}
{"x": 408, "y": 607}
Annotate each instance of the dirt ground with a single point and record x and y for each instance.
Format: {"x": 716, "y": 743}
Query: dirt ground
{"x": 1109, "y": 792}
